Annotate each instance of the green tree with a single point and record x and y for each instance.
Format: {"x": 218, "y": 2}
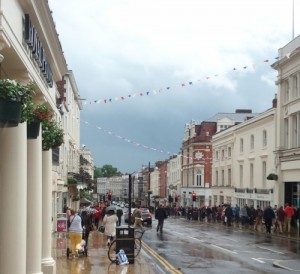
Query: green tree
{"x": 107, "y": 171}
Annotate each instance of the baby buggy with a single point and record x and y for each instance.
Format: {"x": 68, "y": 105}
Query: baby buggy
{"x": 81, "y": 248}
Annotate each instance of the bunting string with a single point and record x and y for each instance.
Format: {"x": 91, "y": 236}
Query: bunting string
{"x": 137, "y": 144}
{"x": 169, "y": 87}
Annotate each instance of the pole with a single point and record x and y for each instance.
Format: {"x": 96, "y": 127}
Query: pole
{"x": 149, "y": 186}
{"x": 129, "y": 201}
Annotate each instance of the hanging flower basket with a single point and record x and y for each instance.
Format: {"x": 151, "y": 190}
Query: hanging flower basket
{"x": 33, "y": 130}
{"x": 10, "y": 113}
{"x": 53, "y": 135}
{"x": 14, "y": 98}
{"x": 272, "y": 176}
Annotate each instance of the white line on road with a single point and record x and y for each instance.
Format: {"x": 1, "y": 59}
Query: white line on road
{"x": 196, "y": 239}
{"x": 258, "y": 260}
{"x": 275, "y": 251}
{"x": 224, "y": 249}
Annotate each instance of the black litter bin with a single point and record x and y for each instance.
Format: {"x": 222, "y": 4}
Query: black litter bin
{"x": 195, "y": 215}
{"x": 125, "y": 241}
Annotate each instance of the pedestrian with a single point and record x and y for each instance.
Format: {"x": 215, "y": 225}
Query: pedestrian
{"x": 269, "y": 216}
{"x": 138, "y": 221}
{"x": 160, "y": 215}
{"x": 280, "y": 218}
{"x": 244, "y": 215}
{"x": 289, "y": 212}
{"x": 258, "y": 217}
{"x": 110, "y": 223}
{"x": 119, "y": 215}
{"x": 228, "y": 215}
{"x": 75, "y": 231}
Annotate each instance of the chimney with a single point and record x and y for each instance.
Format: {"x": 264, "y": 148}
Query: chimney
{"x": 274, "y": 102}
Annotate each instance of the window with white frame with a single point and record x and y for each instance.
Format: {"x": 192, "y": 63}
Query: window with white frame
{"x": 217, "y": 155}
{"x": 286, "y": 91}
{"x": 241, "y": 145}
{"x": 264, "y": 141}
{"x": 264, "y": 174}
{"x": 295, "y": 124}
{"x": 252, "y": 142}
{"x": 223, "y": 154}
{"x": 229, "y": 152}
{"x": 199, "y": 178}
{"x": 295, "y": 86}
{"x": 217, "y": 178}
{"x": 286, "y": 133}
{"x": 229, "y": 176}
{"x": 223, "y": 177}
{"x": 251, "y": 175}
{"x": 241, "y": 175}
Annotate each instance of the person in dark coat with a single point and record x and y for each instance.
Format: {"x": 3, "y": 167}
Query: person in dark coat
{"x": 228, "y": 214}
{"x": 119, "y": 215}
{"x": 160, "y": 215}
{"x": 269, "y": 215}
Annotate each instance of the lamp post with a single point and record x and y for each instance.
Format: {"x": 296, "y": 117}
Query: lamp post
{"x": 149, "y": 185}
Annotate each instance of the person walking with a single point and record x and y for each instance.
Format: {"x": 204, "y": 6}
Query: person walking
{"x": 228, "y": 215}
{"x": 137, "y": 215}
{"x": 258, "y": 217}
{"x": 289, "y": 212}
{"x": 160, "y": 215}
{"x": 280, "y": 218}
{"x": 75, "y": 231}
{"x": 269, "y": 216}
{"x": 110, "y": 223}
{"x": 119, "y": 215}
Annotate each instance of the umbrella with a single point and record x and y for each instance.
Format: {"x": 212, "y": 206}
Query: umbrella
{"x": 113, "y": 208}
{"x": 85, "y": 201}
{"x": 88, "y": 210}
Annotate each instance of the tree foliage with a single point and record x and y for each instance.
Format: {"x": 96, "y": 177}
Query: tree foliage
{"x": 106, "y": 171}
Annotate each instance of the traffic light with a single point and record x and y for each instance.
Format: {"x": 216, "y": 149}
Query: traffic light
{"x": 194, "y": 196}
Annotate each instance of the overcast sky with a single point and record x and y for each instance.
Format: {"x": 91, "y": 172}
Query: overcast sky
{"x": 146, "y": 68}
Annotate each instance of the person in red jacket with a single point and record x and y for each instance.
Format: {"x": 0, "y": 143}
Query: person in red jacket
{"x": 289, "y": 212}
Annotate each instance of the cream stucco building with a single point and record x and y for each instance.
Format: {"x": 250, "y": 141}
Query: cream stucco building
{"x": 32, "y": 181}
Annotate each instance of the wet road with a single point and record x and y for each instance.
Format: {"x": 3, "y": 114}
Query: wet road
{"x": 196, "y": 247}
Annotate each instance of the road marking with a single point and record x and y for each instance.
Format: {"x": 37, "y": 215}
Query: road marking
{"x": 258, "y": 260}
{"x": 275, "y": 251}
{"x": 224, "y": 249}
{"x": 196, "y": 239}
{"x": 162, "y": 260}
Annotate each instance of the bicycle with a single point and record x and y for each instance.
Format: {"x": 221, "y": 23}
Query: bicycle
{"x": 112, "y": 250}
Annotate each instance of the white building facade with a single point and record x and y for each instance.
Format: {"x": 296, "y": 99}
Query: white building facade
{"x": 288, "y": 132}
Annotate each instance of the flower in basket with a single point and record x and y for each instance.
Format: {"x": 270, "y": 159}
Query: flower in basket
{"x": 272, "y": 176}
{"x": 36, "y": 114}
{"x": 12, "y": 90}
{"x": 52, "y": 134}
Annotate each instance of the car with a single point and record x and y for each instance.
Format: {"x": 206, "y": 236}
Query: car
{"x": 146, "y": 216}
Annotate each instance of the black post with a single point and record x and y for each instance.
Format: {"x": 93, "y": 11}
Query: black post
{"x": 129, "y": 201}
{"x": 149, "y": 185}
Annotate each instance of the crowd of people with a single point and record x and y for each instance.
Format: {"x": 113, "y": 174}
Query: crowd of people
{"x": 279, "y": 219}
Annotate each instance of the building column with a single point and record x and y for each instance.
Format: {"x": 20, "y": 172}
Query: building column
{"x": 48, "y": 264}
{"x": 13, "y": 199}
{"x": 34, "y": 205}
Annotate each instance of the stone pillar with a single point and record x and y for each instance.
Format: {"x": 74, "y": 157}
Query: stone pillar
{"x": 48, "y": 264}
{"x": 34, "y": 205}
{"x": 13, "y": 199}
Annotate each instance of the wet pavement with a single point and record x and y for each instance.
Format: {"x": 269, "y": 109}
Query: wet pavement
{"x": 97, "y": 260}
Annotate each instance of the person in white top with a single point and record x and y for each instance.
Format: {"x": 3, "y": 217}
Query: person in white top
{"x": 75, "y": 231}
{"x": 110, "y": 222}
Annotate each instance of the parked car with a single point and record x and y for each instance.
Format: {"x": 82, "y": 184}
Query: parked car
{"x": 146, "y": 216}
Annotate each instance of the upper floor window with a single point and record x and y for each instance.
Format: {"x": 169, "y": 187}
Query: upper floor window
{"x": 199, "y": 178}
{"x": 223, "y": 177}
{"x": 229, "y": 152}
{"x": 217, "y": 178}
{"x": 251, "y": 175}
{"x": 295, "y": 127}
{"x": 241, "y": 175}
{"x": 286, "y": 87}
{"x": 217, "y": 155}
{"x": 295, "y": 86}
{"x": 286, "y": 133}
{"x": 223, "y": 154}
{"x": 252, "y": 142}
{"x": 264, "y": 141}
{"x": 229, "y": 176}
{"x": 241, "y": 145}
{"x": 264, "y": 174}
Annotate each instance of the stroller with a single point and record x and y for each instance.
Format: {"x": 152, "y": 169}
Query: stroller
{"x": 81, "y": 248}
